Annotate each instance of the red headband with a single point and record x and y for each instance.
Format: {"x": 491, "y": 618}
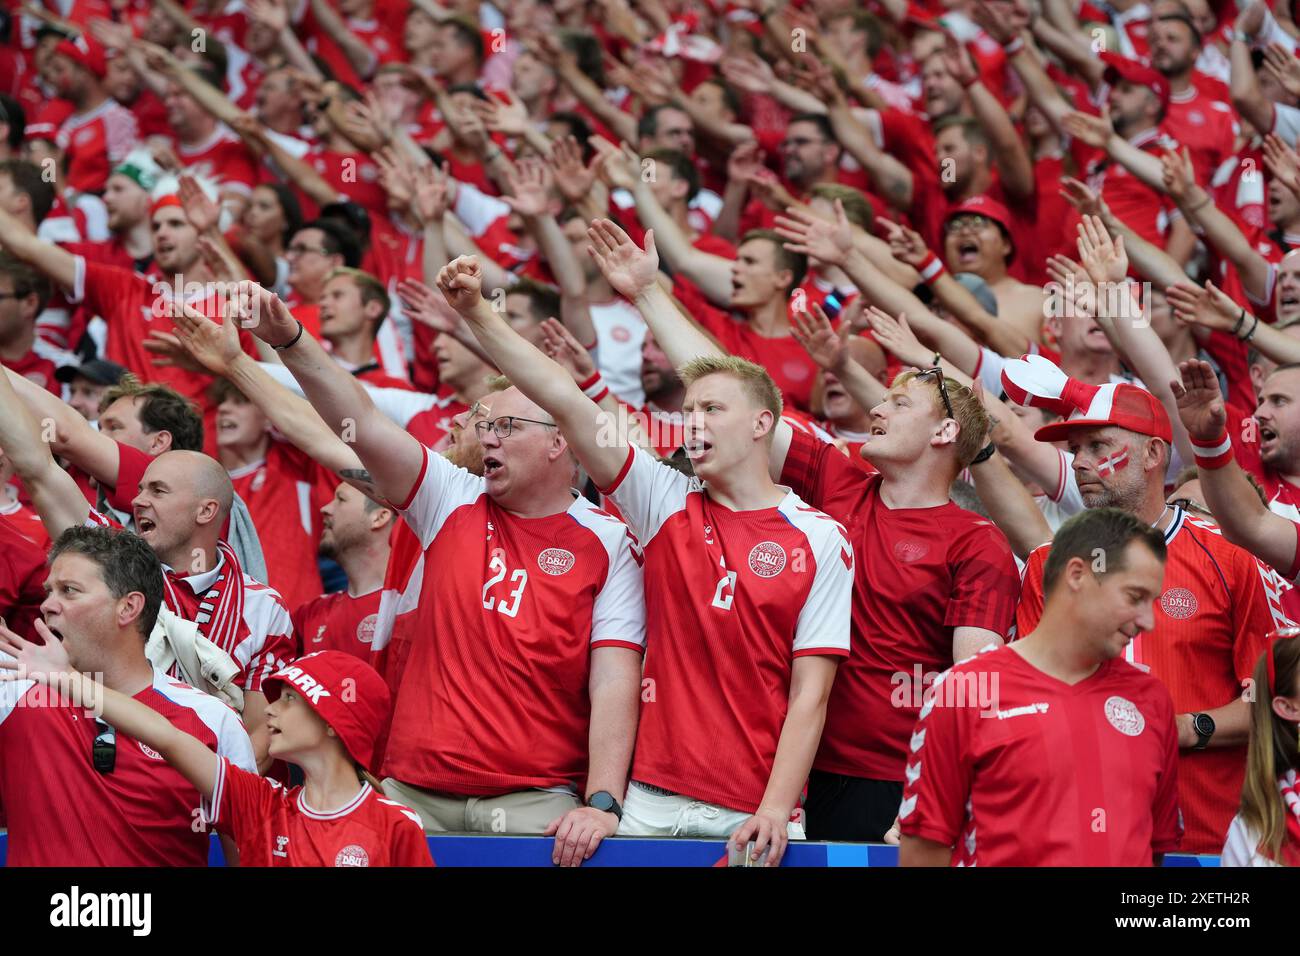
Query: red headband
{"x": 164, "y": 202}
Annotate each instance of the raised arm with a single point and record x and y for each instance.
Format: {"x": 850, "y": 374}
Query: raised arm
{"x": 69, "y": 435}
{"x": 1212, "y": 308}
{"x": 48, "y": 663}
{"x": 217, "y": 349}
{"x": 891, "y": 178}
{"x": 565, "y": 64}
{"x": 1244, "y": 519}
{"x": 908, "y": 246}
{"x": 829, "y": 349}
{"x": 1043, "y": 93}
{"x": 359, "y": 55}
{"x": 1129, "y": 323}
{"x": 633, "y": 273}
{"x": 1010, "y": 505}
{"x": 55, "y": 494}
{"x": 1009, "y": 153}
{"x": 204, "y": 93}
{"x": 530, "y": 196}
{"x": 54, "y": 261}
{"x": 590, "y": 432}
{"x": 711, "y": 273}
{"x": 1096, "y": 131}
{"x": 394, "y": 457}
{"x": 1219, "y": 230}
{"x": 1247, "y": 97}
{"x": 297, "y": 170}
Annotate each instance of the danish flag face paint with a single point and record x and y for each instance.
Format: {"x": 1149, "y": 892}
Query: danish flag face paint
{"x": 1113, "y": 463}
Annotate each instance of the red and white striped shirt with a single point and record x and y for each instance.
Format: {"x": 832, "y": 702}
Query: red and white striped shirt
{"x": 260, "y": 643}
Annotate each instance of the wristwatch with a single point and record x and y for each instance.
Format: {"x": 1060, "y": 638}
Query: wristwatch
{"x": 1203, "y": 724}
{"x": 604, "y": 800}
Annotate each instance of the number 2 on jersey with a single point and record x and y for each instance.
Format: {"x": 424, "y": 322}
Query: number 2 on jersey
{"x": 725, "y": 592}
{"x": 509, "y": 605}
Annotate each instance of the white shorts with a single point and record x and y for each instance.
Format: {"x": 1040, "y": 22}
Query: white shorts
{"x": 646, "y": 813}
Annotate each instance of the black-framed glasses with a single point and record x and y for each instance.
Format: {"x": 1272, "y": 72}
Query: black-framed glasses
{"x": 103, "y": 753}
{"x": 943, "y": 387}
{"x": 1187, "y": 504}
{"x": 504, "y": 425}
{"x": 968, "y": 221}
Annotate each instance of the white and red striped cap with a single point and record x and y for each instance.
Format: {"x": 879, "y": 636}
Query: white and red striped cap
{"x": 1037, "y": 381}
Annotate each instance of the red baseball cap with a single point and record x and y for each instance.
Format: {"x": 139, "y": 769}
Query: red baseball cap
{"x": 1122, "y": 68}
{"x": 346, "y": 692}
{"x": 85, "y": 52}
{"x": 989, "y": 208}
{"x": 1037, "y": 381}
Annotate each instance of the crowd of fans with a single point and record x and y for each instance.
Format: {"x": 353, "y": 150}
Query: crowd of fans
{"x": 773, "y": 419}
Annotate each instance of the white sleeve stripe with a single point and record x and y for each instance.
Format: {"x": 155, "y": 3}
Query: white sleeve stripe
{"x": 210, "y": 807}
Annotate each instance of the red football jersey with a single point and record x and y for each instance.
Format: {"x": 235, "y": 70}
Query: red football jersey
{"x": 1146, "y": 210}
{"x": 506, "y": 613}
{"x": 132, "y": 306}
{"x": 224, "y": 158}
{"x": 433, "y": 425}
{"x": 1207, "y": 127}
{"x": 36, "y": 369}
{"x": 338, "y": 622}
{"x": 273, "y": 826}
{"x": 785, "y": 359}
{"x": 284, "y": 493}
{"x": 921, "y": 572}
{"x": 22, "y": 578}
{"x": 62, "y": 812}
{"x": 732, "y": 598}
{"x": 1217, "y": 605}
{"x": 26, "y": 522}
{"x": 95, "y": 142}
{"x": 1012, "y": 767}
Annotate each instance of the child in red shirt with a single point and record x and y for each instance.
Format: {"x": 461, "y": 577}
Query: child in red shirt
{"x": 325, "y": 714}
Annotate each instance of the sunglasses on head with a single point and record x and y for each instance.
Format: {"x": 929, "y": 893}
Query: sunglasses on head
{"x": 937, "y": 374}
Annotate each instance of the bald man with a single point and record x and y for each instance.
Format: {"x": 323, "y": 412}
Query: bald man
{"x": 184, "y": 500}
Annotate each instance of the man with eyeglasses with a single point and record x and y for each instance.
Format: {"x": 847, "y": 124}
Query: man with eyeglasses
{"x": 747, "y": 587}
{"x": 980, "y": 237}
{"x": 75, "y": 791}
{"x": 933, "y": 582}
{"x": 1217, "y": 604}
{"x": 313, "y": 253}
{"x": 810, "y": 154}
{"x": 23, "y": 294}
{"x": 523, "y": 669}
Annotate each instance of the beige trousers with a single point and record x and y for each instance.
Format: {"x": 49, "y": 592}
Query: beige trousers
{"x": 521, "y": 812}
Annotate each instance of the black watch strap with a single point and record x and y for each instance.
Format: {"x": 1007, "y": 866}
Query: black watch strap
{"x": 604, "y": 800}
{"x": 1203, "y": 724}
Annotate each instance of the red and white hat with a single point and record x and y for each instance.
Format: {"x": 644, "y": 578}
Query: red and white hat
{"x": 1037, "y": 381}
{"x": 989, "y": 208}
{"x": 346, "y": 692}
{"x": 85, "y": 52}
